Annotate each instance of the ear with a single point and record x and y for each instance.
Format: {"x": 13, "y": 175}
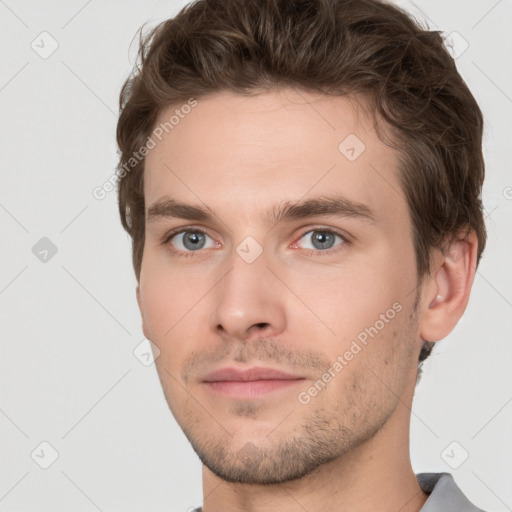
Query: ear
{"x": 446, "y": 290}
{"x": 141, "y": 309}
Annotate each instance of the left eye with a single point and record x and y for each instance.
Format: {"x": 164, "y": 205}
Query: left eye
{"x": 321, "y": 239}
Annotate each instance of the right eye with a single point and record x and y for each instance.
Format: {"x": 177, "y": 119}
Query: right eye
{"x": 189, "y": 240}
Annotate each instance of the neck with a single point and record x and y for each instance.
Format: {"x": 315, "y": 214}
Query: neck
{"x": 376, "y": 475}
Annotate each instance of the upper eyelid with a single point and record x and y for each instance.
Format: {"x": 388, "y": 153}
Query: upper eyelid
{"x": 185, "y": 229}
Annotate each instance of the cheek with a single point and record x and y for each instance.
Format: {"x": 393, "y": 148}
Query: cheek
{"x": 177, "y": 304}
{"x": 160, "y": 300}
{"x": 346, "y": 300}
{"x": 369, "y": 369}
{"x": 169, "y": 296}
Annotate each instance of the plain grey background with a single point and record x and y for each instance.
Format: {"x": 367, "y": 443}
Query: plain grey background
{"x": 73, "y": 374}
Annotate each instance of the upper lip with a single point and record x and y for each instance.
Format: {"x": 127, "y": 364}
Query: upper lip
{"x": 248, "y": 374}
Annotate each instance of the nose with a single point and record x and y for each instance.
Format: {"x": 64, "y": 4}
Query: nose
{"x": 248, "y": 301}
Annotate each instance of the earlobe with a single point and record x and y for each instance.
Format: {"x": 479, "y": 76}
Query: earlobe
{"x": 448, "y": 288}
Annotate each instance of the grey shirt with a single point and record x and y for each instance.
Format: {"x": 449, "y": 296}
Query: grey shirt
{"x": 444, "y": 494}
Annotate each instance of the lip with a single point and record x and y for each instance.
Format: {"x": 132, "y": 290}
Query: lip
{"x": 249, "y": 374}
{"x": 249, "y": 383}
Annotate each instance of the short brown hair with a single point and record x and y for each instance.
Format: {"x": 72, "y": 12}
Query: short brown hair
{"x": 336, "y": 47}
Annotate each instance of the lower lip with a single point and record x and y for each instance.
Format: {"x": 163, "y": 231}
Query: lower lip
{"x": 251, "y": 389}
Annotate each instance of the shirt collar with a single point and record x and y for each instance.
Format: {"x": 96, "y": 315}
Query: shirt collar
{"x": 444, "y": 494}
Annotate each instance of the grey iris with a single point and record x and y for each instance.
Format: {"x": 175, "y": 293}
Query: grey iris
{"x": 193, "y": 240}
{"x": 322, "y": 239}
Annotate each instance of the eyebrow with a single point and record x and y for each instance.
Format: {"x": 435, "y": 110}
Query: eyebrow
{"x": 325, "y": 205}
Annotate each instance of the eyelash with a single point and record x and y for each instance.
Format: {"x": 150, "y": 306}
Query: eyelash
{"x": 313, "y": 252}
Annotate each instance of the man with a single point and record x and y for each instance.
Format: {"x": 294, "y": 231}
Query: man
{"x": 302, "y": 184}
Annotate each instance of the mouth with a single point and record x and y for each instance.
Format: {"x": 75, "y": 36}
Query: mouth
{"x": 249, "y": 383}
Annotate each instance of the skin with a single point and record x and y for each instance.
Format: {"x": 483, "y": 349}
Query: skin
{"x": 295, "y": 307}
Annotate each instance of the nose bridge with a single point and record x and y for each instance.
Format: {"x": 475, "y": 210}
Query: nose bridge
{"x": 245, "y": 296}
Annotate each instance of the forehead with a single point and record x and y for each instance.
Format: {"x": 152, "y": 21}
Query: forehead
{"x": 272, "y": 147}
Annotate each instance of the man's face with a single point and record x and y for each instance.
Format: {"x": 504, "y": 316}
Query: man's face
{"x": 333, "y": 309}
